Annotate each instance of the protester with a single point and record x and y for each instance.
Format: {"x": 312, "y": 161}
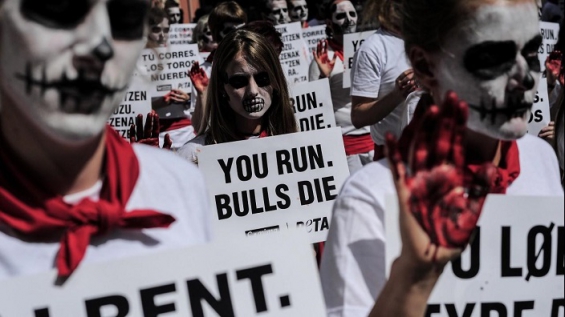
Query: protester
{"x": 551, "y": 12}
{"x": 381, "y": 78}
{"x": 203, "y": 36}
{"x": 452, "y": 47}
{"x": 266, "y": 29}
{"x": 174, "y": 12}
{"x": 275, "y": 11}
{"x": 158, "y": 35}
{"x": 341, "y": 18}
{"x": 248, "y": 95}
{"x": 298, "y": 12}
{"x": 71, "y": 190}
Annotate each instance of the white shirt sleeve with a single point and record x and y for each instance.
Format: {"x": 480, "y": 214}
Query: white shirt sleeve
{"x": 366, "y": 72}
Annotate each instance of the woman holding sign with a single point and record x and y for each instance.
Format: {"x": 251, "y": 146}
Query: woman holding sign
{"x": 445, "y": 164}
{"x": 248, "y": 95}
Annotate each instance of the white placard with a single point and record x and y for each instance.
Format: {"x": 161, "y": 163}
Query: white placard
{"x": 181, "y": 34}
{"x": 549, "y": 33}
{"x": 351, "y": 43}
{"x": 312, "y": 35}
{"x": 513, "y": 267}
{"x": 540, "y": 115}
{"x": 137, "y": 100}
{"x": 275, "y": 183}
{"x": 312, "y": 103}
{"x": 167, "y": 67}
{"x": 294, "y": 52}
{"x": 248, "y": 277}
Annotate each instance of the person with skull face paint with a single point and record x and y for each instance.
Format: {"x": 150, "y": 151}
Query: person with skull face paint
{"x": 71, "y": 190}
{"x": 203, "y": 36}
{"x": 486, "y": 52}
{"x": 158, "y": 35}
{"x": 341, "y": 18}
{"x": 298, "y": 12}
{"x": 248, "y": 94}
{"x": 174, "y": 12}
{"x": 381, "y": 78}
{"x": 276, "y": 11}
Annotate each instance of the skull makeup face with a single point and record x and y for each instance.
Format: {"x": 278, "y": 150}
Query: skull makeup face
{"x": 66, "y": 64}
{"x": 174, "y": 15}
{"x": 298, "y": 10}
{"x": 227, "y": 28}
{"x": 278, "y": 12}
{"x": 344, "y": 17}
{"x": 491, "y": 62}
{"x": 208, "y": 43}
{"x": 159, "y": 33}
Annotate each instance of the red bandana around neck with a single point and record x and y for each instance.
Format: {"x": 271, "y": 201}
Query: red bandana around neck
{"x": 338, "y": 49}
{"x": 35, "y": 214}
{"x": 508, "y": 168}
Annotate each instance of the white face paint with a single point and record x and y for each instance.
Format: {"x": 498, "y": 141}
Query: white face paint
{"x": 229, "y": 27}
{"x": 344, "y": 18}
{"x": 491, "y": 62}
{"x": 174, "y": 15}
{"x": 298, "y": 11}
{"x": 278, "y": 12}
{"x": 68, "y": 63}
{"x": 248, "y": 89}
{"x": 159, "y": 33}
{"x": 207, "y": 40}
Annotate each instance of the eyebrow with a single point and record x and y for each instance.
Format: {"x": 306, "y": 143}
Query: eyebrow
{"x": 490, "y": 59}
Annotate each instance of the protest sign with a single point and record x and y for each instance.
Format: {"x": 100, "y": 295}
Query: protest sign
{"x": 137, "y": 100}
{"x": 294, "y": 52}
{"x": 167, "y": 68}
{"x": 312, "y": 35}
{"x": 312, "y": 103}
{"x": 539, "y": 116}
{"x": 351, "y": 43}
{"x": 181, "y": 34}
{"x": 514, "y": 266}
{"x": 549, "y": 33}
{"x": 275, "y": 183}
{"x": 246, "y": 277}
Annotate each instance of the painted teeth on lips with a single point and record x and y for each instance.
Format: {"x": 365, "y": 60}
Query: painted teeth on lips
{"x": 254, "y": 104}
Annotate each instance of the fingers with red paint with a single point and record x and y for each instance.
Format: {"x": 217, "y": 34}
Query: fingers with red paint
{"x": 198, "y": 77}
{"x": 423, "y": 141}
{"x": 168, "y": 143}
{"x": 139, "y": 127}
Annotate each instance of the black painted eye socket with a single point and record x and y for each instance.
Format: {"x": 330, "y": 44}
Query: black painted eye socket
{"x": 128, "y": 18}
{"x": 157, "y": 29}
{"x": 56, "y": 14}
{"x": 352, "y": 14}
{"x": 340, "y": 16}
{"x": 530, "y": 53}
{"x": 490, "y": 59}
{"x": 239, "y": 81}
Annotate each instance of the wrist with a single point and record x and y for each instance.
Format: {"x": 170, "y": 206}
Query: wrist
{"x": 416, "y": 274}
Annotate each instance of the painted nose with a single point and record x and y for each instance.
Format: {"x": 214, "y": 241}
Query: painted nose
{"x": 103, "y": 51}
{"x": 529, "y": 82}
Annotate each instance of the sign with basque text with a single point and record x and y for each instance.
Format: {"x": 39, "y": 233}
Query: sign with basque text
{"x": 242, "y": 277}
{"x": 294, "y": 52}
{"x": 137, "y": 100}
{"x": 275, "y": 183}
{"x": 312, "y": 105}
{"x": 514, "y": 266}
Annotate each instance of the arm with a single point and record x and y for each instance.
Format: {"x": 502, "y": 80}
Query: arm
{"x": 200, "y": 82}
{"x": 198, "y": 114}
{"x": 368, "y": 111}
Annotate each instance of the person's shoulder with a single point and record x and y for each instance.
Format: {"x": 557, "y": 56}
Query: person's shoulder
{"x": 165, "y": 164}
{"x": 529, "y": 143}
{"x": 190, "y": 149}
{"x": 370, "y": 183}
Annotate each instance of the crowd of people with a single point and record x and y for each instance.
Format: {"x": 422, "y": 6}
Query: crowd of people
{"x": 437, "y": 115}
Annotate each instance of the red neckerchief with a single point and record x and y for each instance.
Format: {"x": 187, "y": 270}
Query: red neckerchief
{"x": 173, "y": 124}
{"x": 337, "y": 48}
{"x": 36, "y": 214}
{"x": 210, "y": 57}
{"x": 508, "y": 168}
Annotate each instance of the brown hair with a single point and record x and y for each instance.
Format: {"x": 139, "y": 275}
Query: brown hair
{"x": 225, "y": 12}
{"x": 219, "y": 118}
{"x": 387, "y": 12}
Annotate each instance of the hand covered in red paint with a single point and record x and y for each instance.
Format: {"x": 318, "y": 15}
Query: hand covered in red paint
{"x": 405, "y": 83}
{"x": 553, "y": 68}
{"x": 321, "y": 57}
{"x": 148, "y": 134}
{"x": 198, "y": 77}
{"x": 437, "y": 213}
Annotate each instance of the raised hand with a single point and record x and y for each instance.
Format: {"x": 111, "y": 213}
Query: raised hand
{"x": 438, "y": 213}
{"x": 198, "y": 77}
{"x": 553, "y": 68}
{"x": 405, "y": 83}
{"x": 148, "y": 134}
{"x": 321, "y": 57}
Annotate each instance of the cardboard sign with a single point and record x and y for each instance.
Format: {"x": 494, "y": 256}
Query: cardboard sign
{"x": 294, "y": 52}
{"x": 275, "y": 183}
{"x": 137, "y": 100}
{"x": 514, "y": 266}
{"x": 351, "y": 43}
{"x": 181, "y": 34}
{"x": 246, "y": 277}
{"x": 312, "y": 35}
{"x": 167, "y": 68}
{"x": 540, "y": 115}
{"x": 312, "y": 103}
{"x": 550, "y": 34}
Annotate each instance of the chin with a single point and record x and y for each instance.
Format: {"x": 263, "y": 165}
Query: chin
{"x": 75, "y": 127}
{"x": 502, "y": 129}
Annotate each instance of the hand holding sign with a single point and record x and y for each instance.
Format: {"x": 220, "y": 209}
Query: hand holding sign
{"x": 198, "y": 77}
{"x": 405, "y": 83}
{"x": 443, "y": 212}
{"x": 150, "y": 133}
{"x": 322, "y": 59}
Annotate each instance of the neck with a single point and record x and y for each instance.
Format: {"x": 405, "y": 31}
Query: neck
{"x": 61, "y": 167}
{"x": 246, "y": 126}
{"x": 481, "y": 148}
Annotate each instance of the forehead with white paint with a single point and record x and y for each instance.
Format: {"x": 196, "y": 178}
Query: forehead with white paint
{"x": 299, "y": 10}
{"x": 344, "y": 17}
{"x": 278, "y": 11}
{"x": 67, "y": 63}
{"x": 490, "y": 61}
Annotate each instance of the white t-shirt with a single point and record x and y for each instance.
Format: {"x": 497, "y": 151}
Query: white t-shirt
{"x": 410, "y": 105}
{"x": 376, "y": 66}
{"x": 341, "y": 98}
{"x": 190, "y": 150}
{"x": 353, "y": 266}
{"x": 179, "y": 137}
{"x": 166, "y": 184}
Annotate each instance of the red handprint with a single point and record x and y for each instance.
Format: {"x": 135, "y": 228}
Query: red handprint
{"x": 148, "y": 134}
{"x": 433, "y": 188}
{"x": 554, "y": 68}
{"x": 198, "y": 77}
{"x": 321, "y": 57}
